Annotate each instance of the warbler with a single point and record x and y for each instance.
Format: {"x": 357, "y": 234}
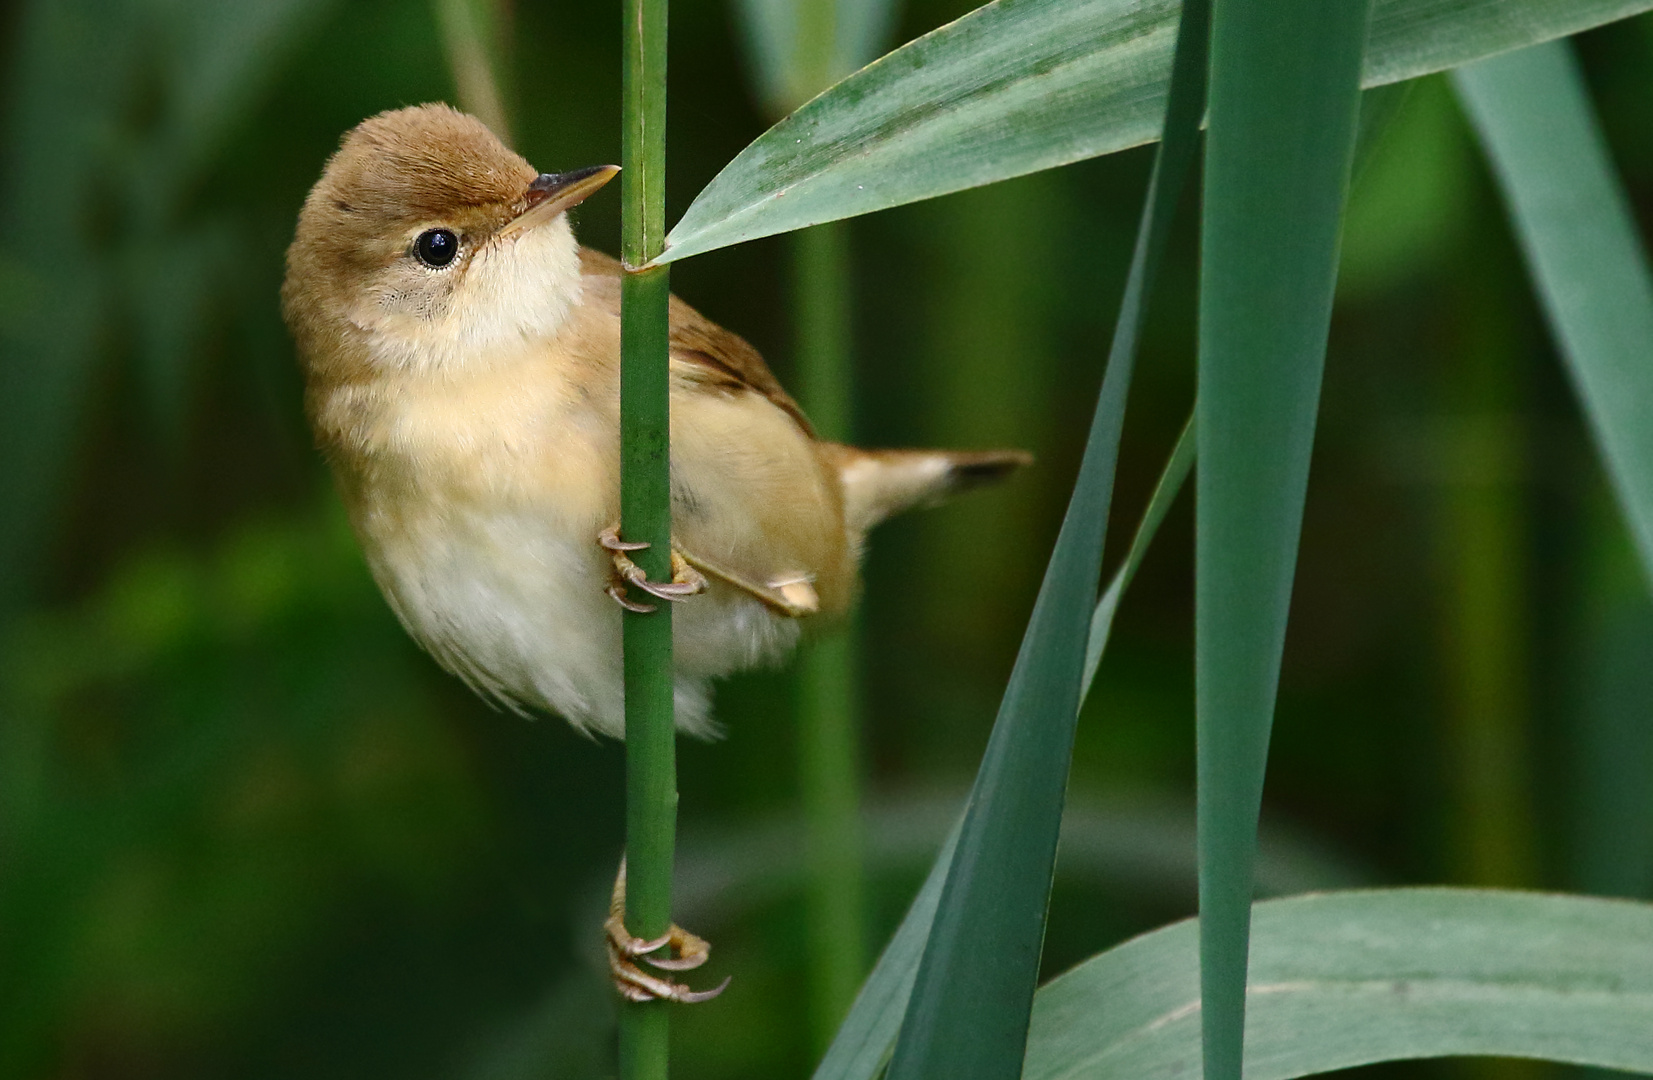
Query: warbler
{"x": 461, "y": 354}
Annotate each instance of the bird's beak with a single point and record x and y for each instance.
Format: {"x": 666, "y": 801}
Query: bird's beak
{"x": 552, "y": 193}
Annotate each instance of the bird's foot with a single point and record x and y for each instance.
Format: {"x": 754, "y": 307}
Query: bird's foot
{"x": 686, "y": 580}
{"x": 677, "y": 949}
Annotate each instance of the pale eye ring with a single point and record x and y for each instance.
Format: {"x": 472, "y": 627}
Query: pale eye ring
{"x": 436, "y": 248}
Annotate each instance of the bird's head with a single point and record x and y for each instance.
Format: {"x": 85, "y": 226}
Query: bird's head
{"x": 427, "y": 243}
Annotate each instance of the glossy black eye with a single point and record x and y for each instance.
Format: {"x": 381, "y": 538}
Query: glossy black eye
{"x": 436, "y": 247}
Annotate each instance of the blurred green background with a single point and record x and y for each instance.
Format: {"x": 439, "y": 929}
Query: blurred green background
{"x": 248, "y": 830}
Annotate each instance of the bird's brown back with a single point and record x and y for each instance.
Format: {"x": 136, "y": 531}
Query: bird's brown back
{"x": 695, "y": 339}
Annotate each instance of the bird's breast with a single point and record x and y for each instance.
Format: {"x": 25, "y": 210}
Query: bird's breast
{"x": 522, "y": 436}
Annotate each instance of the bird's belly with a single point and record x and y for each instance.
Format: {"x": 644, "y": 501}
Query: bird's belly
{"x": 513, "y": 602}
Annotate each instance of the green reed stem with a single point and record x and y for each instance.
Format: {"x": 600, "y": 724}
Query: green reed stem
{"x": 1485, "y": 525}
{"x": 829, "y": 676}
{"x": 473, "y": 33}
{"x": 820, "y": 299}
{"x": 813, "y": 49}
{"x": 828, "y": 672}
{"x": 645, "y": 515}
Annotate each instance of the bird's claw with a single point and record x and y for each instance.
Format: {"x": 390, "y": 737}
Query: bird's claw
{"x": 686, "y": 580}
{"x": 609, "y": 538}
{"x": 624, "y": 950}
{"x": 617, "y": 593}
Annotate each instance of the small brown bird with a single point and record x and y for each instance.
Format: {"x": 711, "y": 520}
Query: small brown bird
{"x": 461, "y": 356}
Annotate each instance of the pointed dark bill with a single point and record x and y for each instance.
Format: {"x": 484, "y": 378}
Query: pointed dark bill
{"x": 552, "y": 193}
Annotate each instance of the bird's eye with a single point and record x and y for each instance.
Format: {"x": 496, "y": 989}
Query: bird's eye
{"x": 436, "y": 247}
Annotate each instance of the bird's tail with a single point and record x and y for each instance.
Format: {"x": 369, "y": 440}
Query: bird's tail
{"x": 881, "y": 483}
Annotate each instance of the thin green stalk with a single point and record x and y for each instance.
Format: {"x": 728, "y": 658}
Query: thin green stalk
{"x": 812, "y": 50}
{"x": 820, "y": 262}
{"x": 645, "y": 515}
{"x": 828, "y": 715}
{"x": 828, "y": 675}
{"x": 985, "y": 308}
{"x": 472, "y": 33}
{"x": 1486, "y": 641}
{"x": 1483, "y": 527}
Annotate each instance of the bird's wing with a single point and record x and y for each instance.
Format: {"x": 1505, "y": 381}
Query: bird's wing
{"x": 712, "y": 354}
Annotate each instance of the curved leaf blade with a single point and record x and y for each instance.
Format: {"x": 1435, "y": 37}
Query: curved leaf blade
{"x": 1581, "y": 242}
{"x": 1016, "y": 87}
{"x": 1346, "y": 979}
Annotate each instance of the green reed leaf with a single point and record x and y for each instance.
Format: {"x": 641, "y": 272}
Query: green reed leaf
{"x": 1346, "y": 979}
{"x": 1285, "y": 96}
{"x": 1015, "y": 87}
{"x": 1378, "y": 109}
{"x": 1581, "y": 243}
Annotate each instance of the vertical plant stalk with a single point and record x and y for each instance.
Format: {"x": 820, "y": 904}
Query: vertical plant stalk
{"x": 645, "y": 515}
{"x": 1486, "y": 630}
{"x": 473, "y": 37}
{"x": 829, "y": 671}
{"x": 814, "y": 50}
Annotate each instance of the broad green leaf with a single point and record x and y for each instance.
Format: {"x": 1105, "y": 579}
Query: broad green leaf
{"x": 1015, "y": 87}
{"x": 1285, "y": 97}
{"x": 1581, "y": 243}
{"x": 967, "y": 1015}
{"x": 1346, "y": 979}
